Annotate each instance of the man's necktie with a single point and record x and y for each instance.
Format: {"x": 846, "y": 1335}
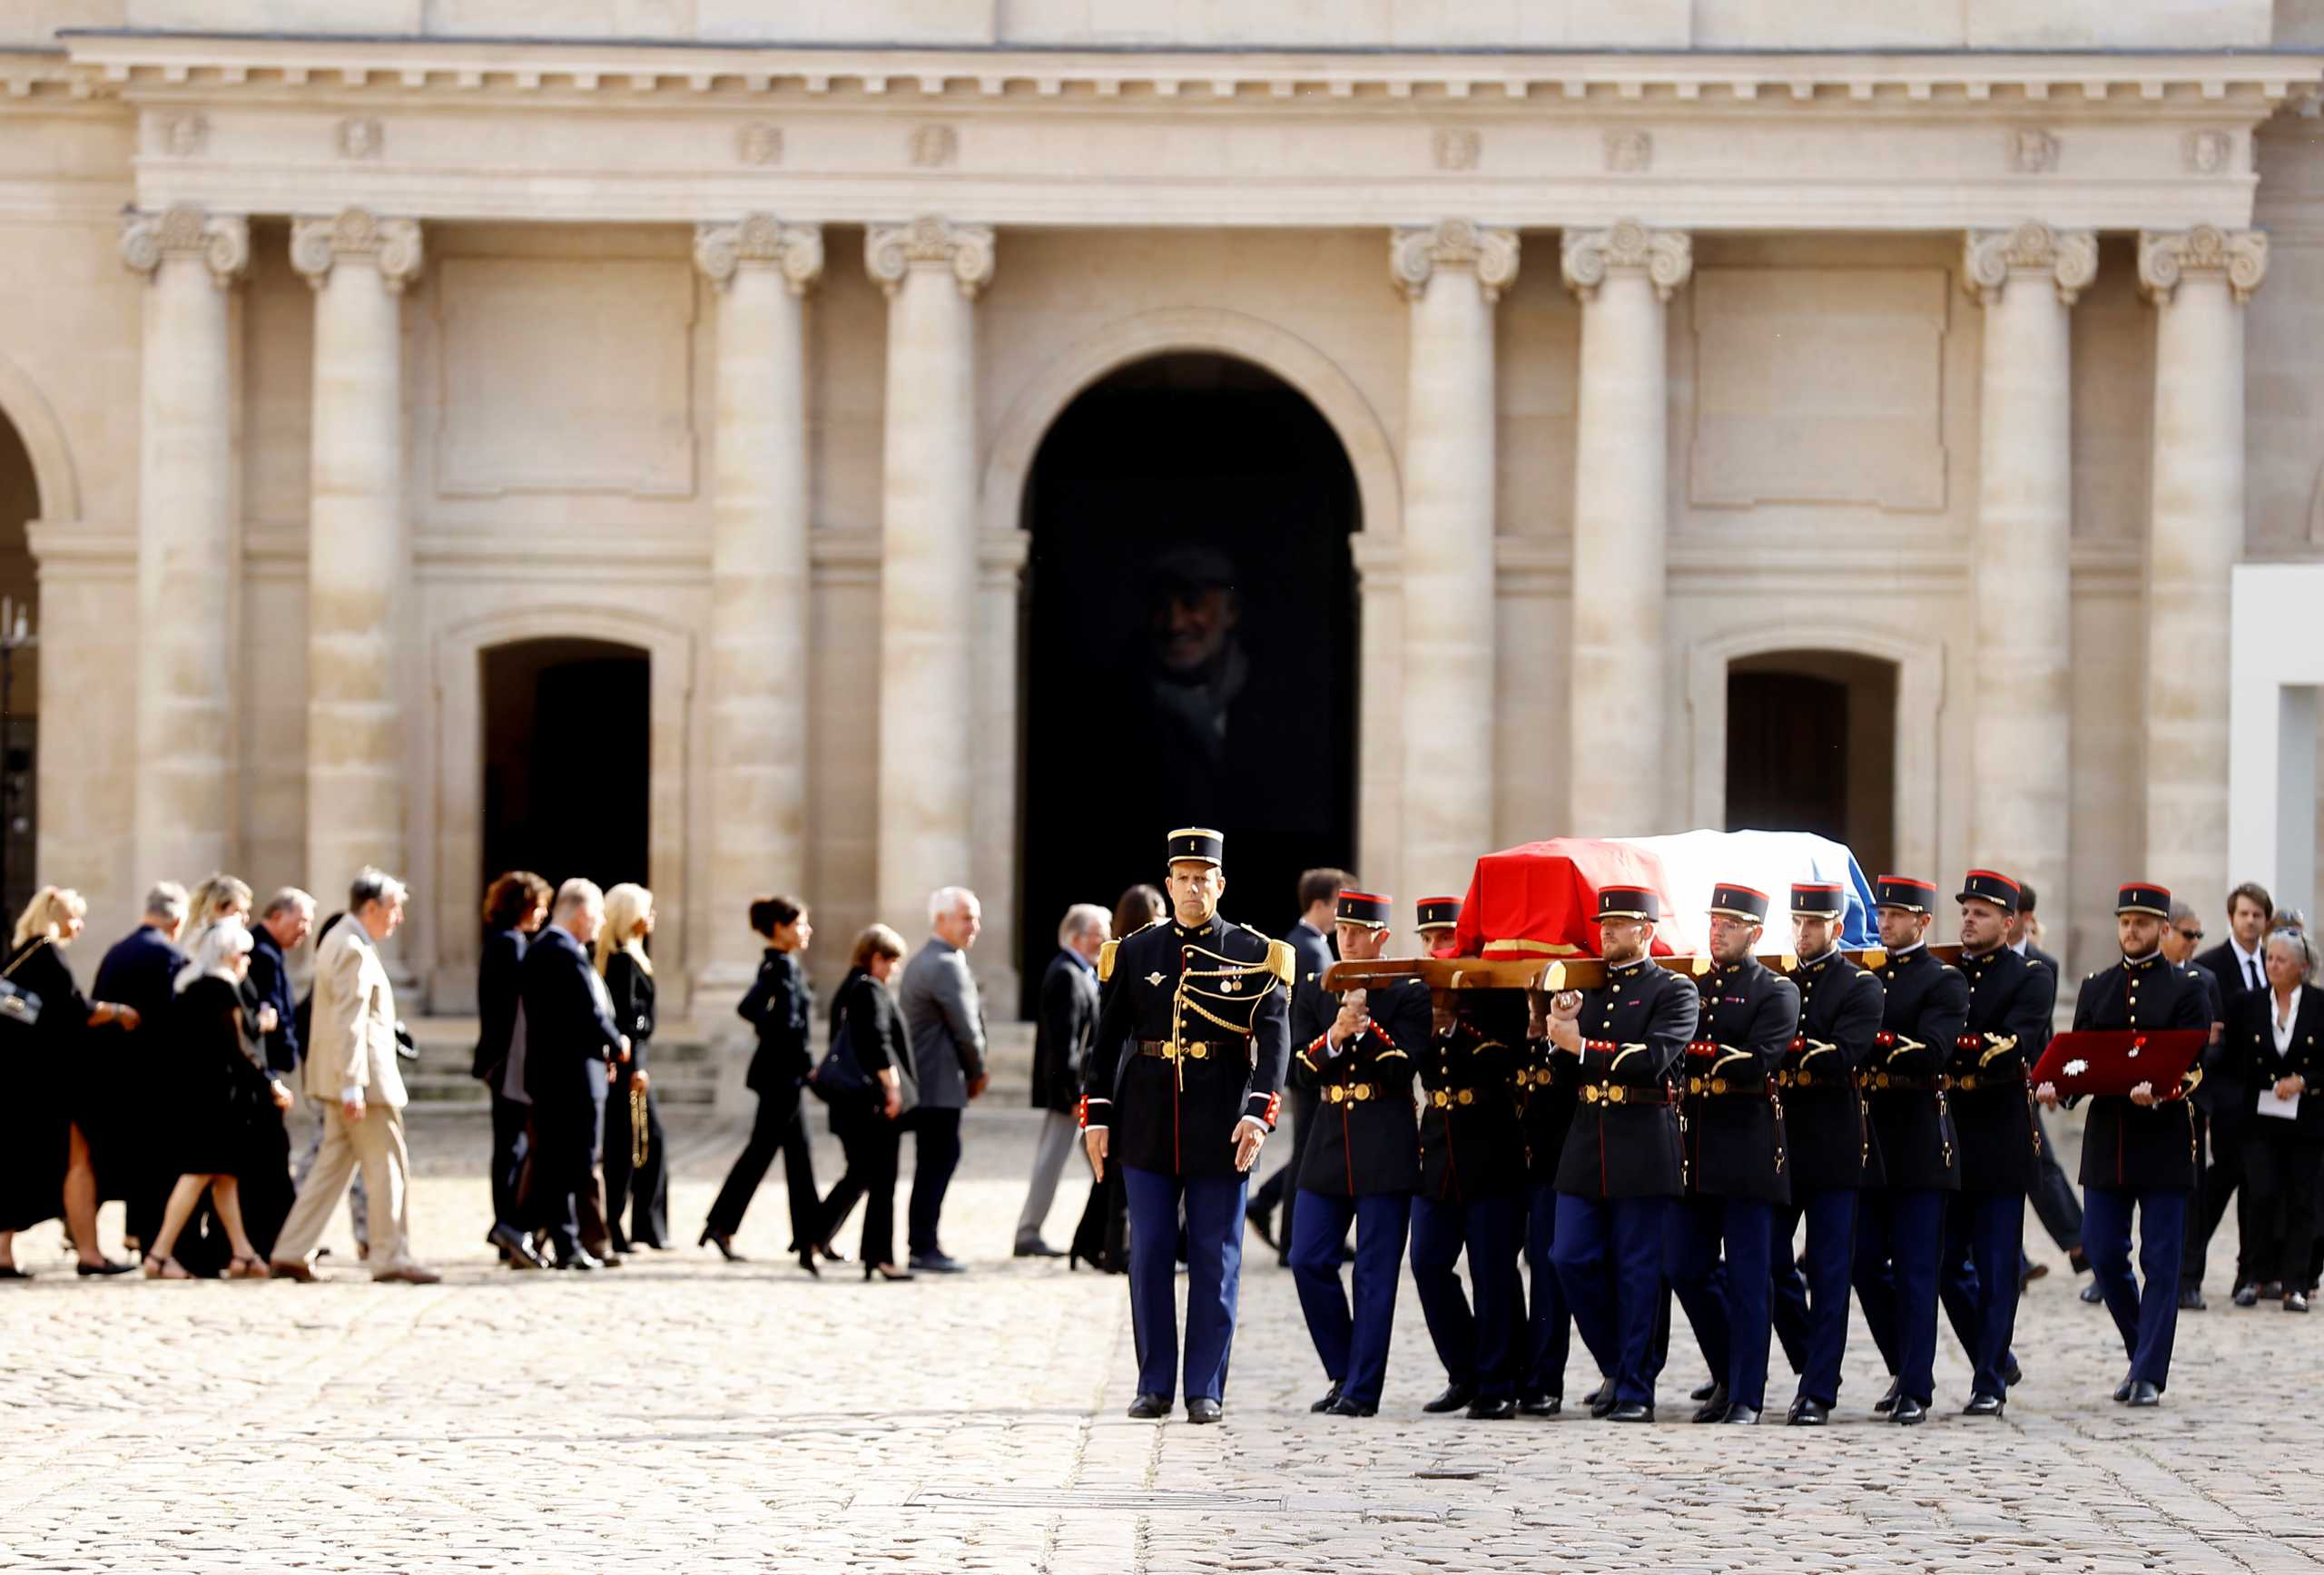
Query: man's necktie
{"x": 2252, "y": 970}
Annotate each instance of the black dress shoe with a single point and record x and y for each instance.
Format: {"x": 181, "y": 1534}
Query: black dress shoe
{"x": 2144, "y": 1393}
{"x": 11, "y": 1272}
{"x": 1262, "y": 1220}
{"x": 2123, "y": 1390}
{"x": 581, "y": 1260}
{"x": 2191, "y": 1299}
{"x": 2271, "y": 1290}
{"x": 2012, "y": 1375}
{"x": 2247, "y": 1296}
{"x": 1714, "y": 1405}
{"x": 1342, "y": 1405}
{"x": 2091, "y": 1294}
{"x": 1631, "y": 1411}
{"x": 1331, "y": 1396}
{"x": 514, "y": 1250}
{"x": 1036, "y": 1248}
{"x": 1202, "y": 1409}
{"x": 1599, "y": 1393}
{"x": 1703, "y": 1391}
{"x": 1983, "y": 1405}
{"x": 1807, "y": 1413}
{"x": 1540, "y": 1404}
{"x": 1742, "y": 1414}
{"x": 1493, "y": 1408}
{"x": 2077, "y": 1260}
{"x": 1456, "y": 1397}
{"x": 2295, "y": 1301}
{"x": 103, "y": 1266}
{"x": 1602, "y": 1402}
{"x": 1909, "y": 1412}
{"x": 1149, "y": 1407}
{"x": 935, "y": 1264}
{"x": 1888, "y": 1402}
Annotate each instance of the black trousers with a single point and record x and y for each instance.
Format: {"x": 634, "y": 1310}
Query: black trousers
{"x": 936, "y": 1154}
{"x": 563, "y": 1200}
{"x": 2278, "y": 1215}
{"x": 2218, "y": 1171}
{"x": 873, "y": 1146}
{"x": 780, "y": 1125}
{"x": 642, "y": 1192}
{"x": 509, "y": 1117}
{"x": 267, "y": 1193}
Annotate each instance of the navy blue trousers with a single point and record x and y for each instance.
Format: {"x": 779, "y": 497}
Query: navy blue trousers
{"x": 1608, "y": 1260}
{"x": 1984, "y": 1239}
{"x": 1811, "y": 1308}
{"x": 1350, "y": 1341}
{"x": 1899, "y": 1241}
{"x": 2148, "y": 1316}
{"x": 1549, "y": 1325}
{"x": 1214, "y": 1276}
{"x": 1477, "y": 1346}
{"x": 1728, "y": 1311}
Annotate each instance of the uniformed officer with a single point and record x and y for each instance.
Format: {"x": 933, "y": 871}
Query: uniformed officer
{"x": 1439, "y": 918}
{"x": 1621, "y": 1171}
{"x": 1900, "y": 1225}
{"x": 1361, "y": 1163}
{"x": 1186, "y": 1069}
{"x": 2138, "y": 1152}
{"x": 1736, "y": 1177}
{"x": 1472, "y": 1198}
{"x": 2009, "y": 1001}
{"x": 1828, "y": 1135}
{"x": 1547, "y": 1098}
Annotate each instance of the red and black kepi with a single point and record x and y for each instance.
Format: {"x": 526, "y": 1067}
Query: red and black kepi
{"x": 2143, "y": 897}
{"x": 1364, "y": 910}
{"x": 1439, "y": 912}
{"x": 1739, "y": 901}
{"x": 1990, "y": 886}
{"x": 1819, "y": 899}
{"x": 1629, "y": 902}
{"x": 1904, "y": 892}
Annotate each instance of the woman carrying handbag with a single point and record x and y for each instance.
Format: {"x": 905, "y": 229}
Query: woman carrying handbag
{"x": 868, "y": 1080}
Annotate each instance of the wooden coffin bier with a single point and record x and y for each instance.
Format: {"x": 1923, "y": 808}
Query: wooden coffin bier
{"x": 1563, "y": 973}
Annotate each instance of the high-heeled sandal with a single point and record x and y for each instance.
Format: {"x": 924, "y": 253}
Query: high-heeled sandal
{"x": 250, "y": 1268}
{"x": 807, "y": 1262}
{"x": 886, "y": 1271}
{"x": 724, "y": 1242}
{"x": 162, "y": 1268}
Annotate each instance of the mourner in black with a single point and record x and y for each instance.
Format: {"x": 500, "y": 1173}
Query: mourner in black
{"x": 1737, "y": 1178}
{"x": 1827, "y": 1145}
{"x": 1900, "y": 1224}
{"x": 780, "y": 1007}
{"x": 1182, "y": 1087}
{"x": 637, "y": 1191}
{"x": 2274, "y": 1052}
{"x": 1620, "y": 1172}
{"x": 570, "y": 1041}
{"x": 2137, "y": 1151}
{"x": 1360, "y": 1164}
{"x": 2223, "y": 1110}
{"x": 2008, "y": 1024}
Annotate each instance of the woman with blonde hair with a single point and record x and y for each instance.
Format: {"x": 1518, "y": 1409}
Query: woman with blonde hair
{"x": 67, "y": 1113}
{"x": 637, "y": 1177}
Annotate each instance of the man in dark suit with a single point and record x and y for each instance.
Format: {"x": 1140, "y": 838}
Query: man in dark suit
{"x": 570, "y": 1045}
{"x": 1067, "y": 1021}
{"x": 268, "y": 1195}
{"x": 2054, "y": 1202}
{"x": 1310, "y": 941}
{"x": 2235, "y": 968}
{"x": 141, "y": 970}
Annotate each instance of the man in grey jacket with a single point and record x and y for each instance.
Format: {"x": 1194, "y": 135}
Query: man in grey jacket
{"x": 946, "y": 1022}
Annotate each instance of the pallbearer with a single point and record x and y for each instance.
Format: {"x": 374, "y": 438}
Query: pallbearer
{"x": 1620, "y": 1175}
{"x": 1547, "y": 1098}
{"x": 2138, "y": 1152}
{"x": 1829, "y": 1135}
{"x": 1360, "y": 1164}
{"x": 1184, "y": 1072}
{"x": 1439, "y": 918}
{"x": 1900, "y": 1225}
{"x": 2009, "y": 1001}
{"x": 1734, "y": 1142}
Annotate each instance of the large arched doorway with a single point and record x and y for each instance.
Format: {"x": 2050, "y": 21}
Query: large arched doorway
{"x": 1190, "y": 641}
{"x": 1811, "y": 746}
{"x": 567, "y": 732}
{"x": 20, "y": 505}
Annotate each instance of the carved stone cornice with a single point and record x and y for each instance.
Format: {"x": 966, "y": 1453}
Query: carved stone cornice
{"x": 2165, "y": 257}
{"x": 1665, "y": 257}
{"x": 890, "y": 251}
{"x": 761, "y": 240}
{"x": 221, "y": 241}
{"x": 356, "y": 235}
{"x": 1416, "y": 251}
{"x": 1990, "y": 259}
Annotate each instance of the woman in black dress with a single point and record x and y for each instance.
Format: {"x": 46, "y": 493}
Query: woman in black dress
{"x": 516, "y": 905}
{"x": 781, "y": 1008}
{"x": 870, "y": 1127}
{"x": 2272, "y": 1052}
{"x": 67, "y": 1115}
{"x": 640, "y": 1189}
{"x": 220, "y": 1095}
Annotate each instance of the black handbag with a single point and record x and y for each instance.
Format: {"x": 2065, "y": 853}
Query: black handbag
{"x": 839, "y": 1079}
{"x": 19, "y": 1008}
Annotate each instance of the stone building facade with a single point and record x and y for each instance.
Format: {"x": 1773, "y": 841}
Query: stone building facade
{"x": 1690, "y": 361}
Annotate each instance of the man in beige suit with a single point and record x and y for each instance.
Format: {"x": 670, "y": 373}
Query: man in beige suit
{"x": 351, "y": 1075}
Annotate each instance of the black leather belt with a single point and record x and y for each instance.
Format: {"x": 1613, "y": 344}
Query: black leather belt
{"x": 1898, "y": 1082}
{"x": 1181, "y": 1050}
{"x": 1718, "y": 1088}
{"x": 1801, "y": 1077}
{"x": 1625, "y": 1094}
{"x": 1970, "y": 1082}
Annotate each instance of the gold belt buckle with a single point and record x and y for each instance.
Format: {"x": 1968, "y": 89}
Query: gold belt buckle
{"x": 1880, "y": 1079}
{"x": 1196, "y": 1052}
{"x": 1591, "y": 1094}
{"x": 1467, "y": 1096}
{"x": 1616, "y": 1094}
{"x": 1360, "y": 1092}
{"x": 1969, "y": 1082}
{"x": 1336, "y": 1093}
{"x": 1439, "y": 1098}
{"x": 1718, "y": 1084}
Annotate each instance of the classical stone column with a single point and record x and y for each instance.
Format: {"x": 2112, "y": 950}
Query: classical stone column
{"x": 1452, "y": 272}
{"x": 1625, "y": 276}
{"x": 359, "y": 546}
{"x": 2022, "y": 578}
{"x": 933, "y": 271}
{"x": 2199, "y": 280}
{"x": 185, "y": 792}
{"x": 760, "y": 612}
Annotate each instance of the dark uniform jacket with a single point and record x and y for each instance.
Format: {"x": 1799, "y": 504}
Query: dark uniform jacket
{"x": 1624, "y": 1142}
{"x": 1920, "y": 1022}
{"x": 2010, "y": 1000}
{"x": 2249, "y": 1062}
{"x": 1735, "y": 1127}
{"x": 1827, "y": 1129}
{"x": 1472, "y": 1142}
{"x": 1215, "y": 992}
{"x": 2124, "y": 1145}
{"x": 1365, "y": 1140}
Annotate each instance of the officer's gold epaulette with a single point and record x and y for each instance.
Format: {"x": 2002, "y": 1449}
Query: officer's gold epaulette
{"x": 1281, "y": 962}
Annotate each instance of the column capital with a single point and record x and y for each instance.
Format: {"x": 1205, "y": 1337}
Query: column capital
{"x": 892, "y": 250}
{"x": 1416, "y": 251}
{"x": 1990, "y": 259}
{"x": 761, "y": 240}
{"x": 221, "y": 241}
{"x": 1665, "y": 257}
{"x": 356, "y": 234}
{"x": 2167, "y": 256}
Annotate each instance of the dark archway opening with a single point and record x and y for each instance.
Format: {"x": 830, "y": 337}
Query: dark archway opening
{"x": 1811, "y": 746}
{"x": 566, "y": 730}
{"x": 1190, "y": 642}
{"x": 19, "y": 674}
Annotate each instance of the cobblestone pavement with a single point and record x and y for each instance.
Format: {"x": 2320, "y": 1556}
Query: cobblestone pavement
{"x": 683, "y": 1414}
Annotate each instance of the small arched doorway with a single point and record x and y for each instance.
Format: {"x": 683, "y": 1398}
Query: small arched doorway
{"x": 1811, "y": 746}
{"x": 567, "y": 735}
{"x": 20, "y": 505}
{"x": 1190, "y": 641}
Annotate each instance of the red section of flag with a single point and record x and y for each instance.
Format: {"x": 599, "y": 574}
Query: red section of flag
{"x": 1541, "y": 899}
